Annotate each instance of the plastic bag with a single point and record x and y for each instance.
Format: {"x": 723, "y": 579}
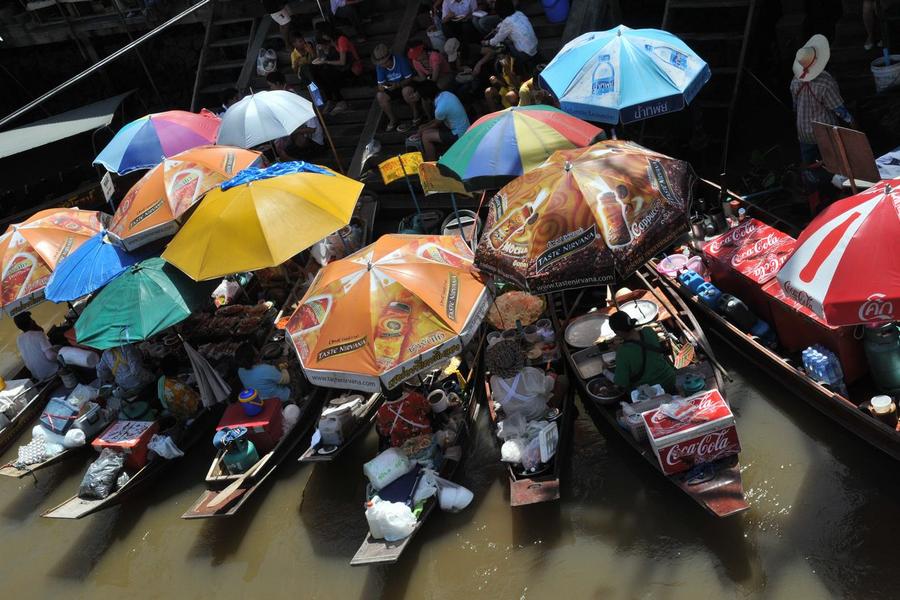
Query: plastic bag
{"x": 225, "y": 292}
{"x": 82, "y": 394}
{"x": 453, "y": 497}
{"x": 100, "y": 479}
{"x": 74, "y": 438}
{"x": 526, "y": 393}
{"x": 387, "y": 467}
{"x": 511, "y": 451}
{"x": 31, "y": 453}
{"x": 426, "y": 488}
{"x": 266, "y": 62}
{"x": 511, "y": 427}
{"x": 395, "y": 520}
{"x": 163, "y": 446}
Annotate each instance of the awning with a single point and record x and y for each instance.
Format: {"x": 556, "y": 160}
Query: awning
{"x": 61, "y": 126}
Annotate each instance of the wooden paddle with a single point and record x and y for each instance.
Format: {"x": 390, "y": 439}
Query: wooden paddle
{"x": 223, "y": 496}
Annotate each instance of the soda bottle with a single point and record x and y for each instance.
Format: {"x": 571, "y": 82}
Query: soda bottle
{"x": 669, "y": 55}
{"x": 513, "y": 222}
{"x": 603, "y": 79}
{"x": 615, "y": 229}
{"x": 390, "y": 333}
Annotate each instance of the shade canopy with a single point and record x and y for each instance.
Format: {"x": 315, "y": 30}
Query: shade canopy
{"x": 263, "y": 117}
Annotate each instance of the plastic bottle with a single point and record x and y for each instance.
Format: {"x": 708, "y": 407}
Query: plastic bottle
{"x": 669, "y": 55}
{"x": 603, "y": 79}
{"x": 372, "y": 518}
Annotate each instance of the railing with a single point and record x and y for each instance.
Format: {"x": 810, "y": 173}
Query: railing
{"x": 102, "y": 63}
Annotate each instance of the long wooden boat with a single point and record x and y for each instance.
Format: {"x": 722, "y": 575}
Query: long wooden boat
{"x": 317, "y": 453}
{"x": 542, "y": 485}
{"x": 722, "y": 494}
{"x": 373, "y": 551}
{"x": 227, "y": 492}
{"x": 199, "y": 429}
{"x": 29, "y": 412}
{"x": 849, "y": 413}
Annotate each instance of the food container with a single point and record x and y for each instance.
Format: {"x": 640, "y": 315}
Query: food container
{"x": 603, "y": 392}
{"x": 884, "y": 409}
{"x": 263, "y": 429}
{"x": 130, "y": 437}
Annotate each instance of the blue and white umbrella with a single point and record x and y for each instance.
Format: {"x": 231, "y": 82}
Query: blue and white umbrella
{"x": 625, "y": 75}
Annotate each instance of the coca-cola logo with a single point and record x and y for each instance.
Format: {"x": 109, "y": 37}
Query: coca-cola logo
{"x": 699, "y": 410}
{"x": 770, "y": 265}
{"x": 709, "y": 447}
{"x": 753, "y": 250}
{"x": 876, "y": 308}
{"x": 732, "y": 237}
{"x": 799, "y": 296}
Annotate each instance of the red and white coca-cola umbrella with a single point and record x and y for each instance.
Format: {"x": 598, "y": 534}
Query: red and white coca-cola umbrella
{"x": 847, "y": 264}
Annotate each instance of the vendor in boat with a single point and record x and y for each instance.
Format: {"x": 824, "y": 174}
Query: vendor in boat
{"x": 269, "y": 381}
{"x": 405, "y": 414}
{"x": 35, "y": 348}
{"x": 125, "y": 366}
{"x": 182, "y": 401}
{"x": 640, "y": 359}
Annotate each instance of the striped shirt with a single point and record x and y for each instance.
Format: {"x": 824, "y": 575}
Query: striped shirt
{"x": 817, "y": 100}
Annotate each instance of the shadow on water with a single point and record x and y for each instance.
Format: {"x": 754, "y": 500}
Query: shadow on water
{"x": 37, "y": 488}
{"x": 220, "y": 538}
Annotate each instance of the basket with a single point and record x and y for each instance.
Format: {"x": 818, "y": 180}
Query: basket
{"x": 886, "y": 76}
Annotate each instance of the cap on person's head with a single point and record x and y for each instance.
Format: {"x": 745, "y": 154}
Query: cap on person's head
{"x": 23, "y": 320}
{"x": 380, "y": 53}
{"x": 451, "y": 48}
{"x": 621, "y": 322}
{"x": 811, "y": 59}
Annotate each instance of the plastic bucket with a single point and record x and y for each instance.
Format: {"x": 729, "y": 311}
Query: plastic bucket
{"x": 251, "y": 402}
{"x": 556, "y": 10}
{"x": 888, "y": 76}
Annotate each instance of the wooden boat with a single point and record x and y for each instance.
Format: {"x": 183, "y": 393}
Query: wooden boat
{"x": 199, "y": 429}
{"x": 373, "y": 551}
{"x": 317, "y": 453}
{"x": 723, "y": 494}
{"x": 228, "y": 492}
{"x": 29, "y": 412}
{"x": 850, "y": 413}
{"x": 542, "y": 485}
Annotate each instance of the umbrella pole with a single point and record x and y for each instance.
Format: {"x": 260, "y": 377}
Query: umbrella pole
{"x": 409, "y": 185}
{"x": 456, "y": 214}
{"x": 328, "y": 135}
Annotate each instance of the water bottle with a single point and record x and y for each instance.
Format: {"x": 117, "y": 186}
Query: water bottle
{"x": 603, "y": 79}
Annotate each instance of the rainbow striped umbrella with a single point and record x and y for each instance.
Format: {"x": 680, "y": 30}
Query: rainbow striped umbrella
{"x": 146, "y": 142}
{"x": 503, "y": 145}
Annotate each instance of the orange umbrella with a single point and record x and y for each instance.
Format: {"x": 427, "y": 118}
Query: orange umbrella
{"x": 29, "y": 251}
{"x": 152, "y": 207}
{"x": 392, "y": 310}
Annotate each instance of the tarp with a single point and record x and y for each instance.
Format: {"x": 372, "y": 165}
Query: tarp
{"x": 61, "y": 126}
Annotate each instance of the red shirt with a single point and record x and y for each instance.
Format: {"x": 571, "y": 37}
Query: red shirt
{"x": 404, "y": 418}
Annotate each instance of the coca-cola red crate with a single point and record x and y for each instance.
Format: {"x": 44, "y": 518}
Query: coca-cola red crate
{"x": 704, "y": 432}
{"x": 744, "y": 258}
{"x": 798, "y": 327}
{"x": 264, "y": 429}
{"x": 130, "y": 437}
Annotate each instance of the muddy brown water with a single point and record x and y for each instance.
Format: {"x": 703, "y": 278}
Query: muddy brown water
{"x": 820, "y": 526}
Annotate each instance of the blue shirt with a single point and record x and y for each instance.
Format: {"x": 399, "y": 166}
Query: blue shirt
{"x": 266, "y": 380}
{"x": 450, "y": 110}
{"x": 398, "y": 72}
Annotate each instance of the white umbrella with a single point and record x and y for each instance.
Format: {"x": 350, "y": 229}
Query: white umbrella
{"x": 213, "y": 388}
{"x": 263, "y": 117}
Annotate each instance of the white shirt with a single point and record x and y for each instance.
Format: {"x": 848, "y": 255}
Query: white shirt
{"x": 336, "y": 4}
{"x": 458, "y": 8}
{"x": 518, "y": 29}
{"x": 37, "y": 354}
{"x": 318, "y": 136}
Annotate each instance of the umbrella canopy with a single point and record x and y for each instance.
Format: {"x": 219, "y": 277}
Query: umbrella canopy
{"x": 625, "y": 75}
{"x": 89, "y": 268}
{"x": 845, "y": 267}
{"x": 586, "y": 217}
{"x": 394, "y": 309}
{"x": 263, "y": 117}
{"x": 29, "y": 251}
{"x": 151, "y": 208}
{"x": 503, "y": 145}
{"x": 261, "y": 218}
{"x": 145, "y": 142}
{"x": 144, "y": 300}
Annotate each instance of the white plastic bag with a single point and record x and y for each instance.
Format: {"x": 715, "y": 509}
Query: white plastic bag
{"x": 225, "y": 292}
{"x": 81, "y": 394}
{"x": 427, "y": 486}
{"x": 511, "y": 450}
{"x": 512, "y": 426}
{"x": 163, "y": 446}
{"x": 395, "y": 520}
{"x": 266, "y": 61}
{"x": 387, "y": 467}
{"x": 526, "y": 393}
{"x": 453, "y": 497}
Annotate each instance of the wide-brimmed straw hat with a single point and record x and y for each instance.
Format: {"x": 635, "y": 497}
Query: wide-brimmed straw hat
{"x": 811, "y": 59}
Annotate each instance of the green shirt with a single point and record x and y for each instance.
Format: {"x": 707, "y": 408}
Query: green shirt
{"x": 657, "y": 368}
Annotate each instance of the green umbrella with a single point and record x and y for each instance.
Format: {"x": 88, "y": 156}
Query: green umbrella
{"x": 145, "y": 299}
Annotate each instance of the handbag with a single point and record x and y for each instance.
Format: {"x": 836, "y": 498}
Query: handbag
{"x": 59, "y": 416}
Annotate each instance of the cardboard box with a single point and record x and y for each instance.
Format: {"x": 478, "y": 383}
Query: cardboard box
{"x": 746, "y": 257}
{"x": 264, "y": 429}
{"x": 798, "y": 327}
{"x": 704, "y": 432}
{"x": 131, "y": 437}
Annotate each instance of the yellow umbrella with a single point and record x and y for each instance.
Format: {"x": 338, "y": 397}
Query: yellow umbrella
{"x": 261, "y": 218}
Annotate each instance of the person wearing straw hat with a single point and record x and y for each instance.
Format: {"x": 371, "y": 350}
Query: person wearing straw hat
{"x": 816, "y": 95}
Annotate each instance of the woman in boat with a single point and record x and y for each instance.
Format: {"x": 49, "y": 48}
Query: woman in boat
{"x": 641, "y": 359}
{"x": 35, "y": 348}
{"x": 404, "y": 415}
{"x": 124, "y": 365}
{"x": 176, "y": 397}
{"x": 267, "y": 380}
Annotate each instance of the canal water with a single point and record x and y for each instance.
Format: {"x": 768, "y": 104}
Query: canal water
{"x": 822, "y": 525}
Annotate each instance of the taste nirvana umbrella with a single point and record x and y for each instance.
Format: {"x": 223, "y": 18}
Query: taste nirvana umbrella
{"x": 586, "y": 217}
{"x": 390, "y": 311}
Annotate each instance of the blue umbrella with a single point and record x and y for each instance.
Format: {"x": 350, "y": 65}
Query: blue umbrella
{"x": 625, "y": 75}
{"x": 94, "y": 264}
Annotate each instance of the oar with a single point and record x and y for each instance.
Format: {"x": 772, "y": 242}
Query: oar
{"x": 223, "y": 496}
